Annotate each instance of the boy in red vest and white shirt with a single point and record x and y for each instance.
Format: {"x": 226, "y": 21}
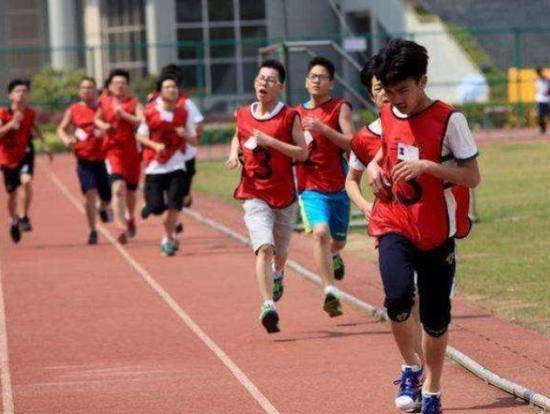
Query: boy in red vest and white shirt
{"x": 269, "y": 136}
{"x": 164, "y": 136}
{"x": 87, "y": 141}
{"x": 324, "y": 204}
{"x": 421, "y": 177}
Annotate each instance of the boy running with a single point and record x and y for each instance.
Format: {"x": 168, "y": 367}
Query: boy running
{"x": 163, "y": 133}
{"x": 87, "y": 141}
{"x": 269, "y": 135}
{"x": 328, "y": 126}
{"x": 17, "y": 125}
{"x": 118, "y": 116}
{"x": 420, "y": 175}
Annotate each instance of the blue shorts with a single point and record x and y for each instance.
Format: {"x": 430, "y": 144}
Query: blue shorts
{"x": 331, "y": 209}
{"x": 93, "y": 176}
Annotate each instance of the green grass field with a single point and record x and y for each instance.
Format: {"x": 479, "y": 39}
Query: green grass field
{"x": 504, "y": 266}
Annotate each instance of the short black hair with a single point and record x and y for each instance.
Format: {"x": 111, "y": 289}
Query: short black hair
{"x": 367, "y": 73}
{"x": 165, "y": 77}
{"x": 87, "y": 79}
{"x": 14, "y": 83}
{"x": 118, "y": 72}
{"x": 324, "y": 62}
{"x": 400, "y": 60}
{"x": 174, "y": 70}
{"x": 275, "y": 64}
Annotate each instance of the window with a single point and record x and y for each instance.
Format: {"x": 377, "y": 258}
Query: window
{"x": 188, "y": 11}
{"x": 230, "y": 32}
{"x": 252, "y": 9}
{"x": 220, "y": 10}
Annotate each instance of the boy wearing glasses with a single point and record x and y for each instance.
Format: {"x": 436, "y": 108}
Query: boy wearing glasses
{"x": 324, "y": 203}
{"x": 269, "y": 136}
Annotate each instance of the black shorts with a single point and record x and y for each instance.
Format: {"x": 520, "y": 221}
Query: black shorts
{"x": 12, "y": 176}
{"x": 399, "y": 260}
{"x": 189, "y": 173}
{"x": 164, "y": 191}
{"x": 116, "y": 177}
{"x": 93, "y": 176}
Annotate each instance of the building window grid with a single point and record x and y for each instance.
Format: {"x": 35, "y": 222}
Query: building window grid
{"x": 126, "y": 27}
{"x": 237, "y": 59}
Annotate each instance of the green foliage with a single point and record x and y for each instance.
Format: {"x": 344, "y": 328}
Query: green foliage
{"x": 217, "y": 134}
{"x": 144, "y": 86}
{"x": 498, "y": 115}
{"x": 54, "y": 88}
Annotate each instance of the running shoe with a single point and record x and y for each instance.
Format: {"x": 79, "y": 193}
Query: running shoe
{"x": 431, "y": 404}
{"x": 269, "y": 318}
{"x": 15, "y": 231}
{"x": 145, "y": 212}
{"x": 92, "y": 237}
{"x": 339, "y": 268}
{"x": 332, "y": 305}
{"x": 167, "y": 248}
{"x": 25, "y": 223}
{"x": 104, "y": 215}
{"x": 409, "y": 396}
{"x": 278, "y": 287}
{"x": 131, "y": 227}
{"x": 122, "y": 238}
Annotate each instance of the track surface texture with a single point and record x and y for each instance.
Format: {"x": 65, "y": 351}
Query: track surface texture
{"x": 111, "y": 329}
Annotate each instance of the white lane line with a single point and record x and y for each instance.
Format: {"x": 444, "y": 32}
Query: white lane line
{"x": 5, "y": 376}
{"x": 235, "y": 370}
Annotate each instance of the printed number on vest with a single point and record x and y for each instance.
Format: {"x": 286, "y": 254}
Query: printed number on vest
{"x": 263, "y": 156}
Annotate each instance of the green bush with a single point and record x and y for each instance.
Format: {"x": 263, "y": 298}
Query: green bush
{"x": 217, "y": 134}
{"x": 54, "y": 88}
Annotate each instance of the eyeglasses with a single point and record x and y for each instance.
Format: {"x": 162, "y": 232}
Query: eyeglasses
{"x": 315, "y": 76}
{"x": 267, "y": 79}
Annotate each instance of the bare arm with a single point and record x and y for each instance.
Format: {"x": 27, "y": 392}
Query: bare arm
{"x": 233, "y": 158}
{"x": 144, "y": 140}
{"x": 341, "y": 139}
{"x": 133, "y": 119}
{"x": 4, "y": 129}
{"x": 298, "y": 151}
{"x": 99, "y": 122}
{"x": 464, "y": 173}
{"x": 353, "y": 188}
{"x": 62, "y": 132}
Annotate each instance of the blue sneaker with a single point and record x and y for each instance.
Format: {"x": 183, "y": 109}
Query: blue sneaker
{"x": 409, "y": 396}
{"x": 431, "y": 404}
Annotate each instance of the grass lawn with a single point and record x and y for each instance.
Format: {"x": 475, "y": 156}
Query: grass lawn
{"x": 504, "y": 266}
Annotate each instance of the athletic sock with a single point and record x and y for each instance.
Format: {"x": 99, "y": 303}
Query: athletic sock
{"x": 330, "y": 289}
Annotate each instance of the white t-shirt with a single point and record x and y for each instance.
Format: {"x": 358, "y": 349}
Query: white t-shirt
{"x": 177, "y": 160}
{"x": 354, "y": 162}
{"x": 458, "y": 144}
{"x": 541, "y": 90}
{"x": 195, "y": 116}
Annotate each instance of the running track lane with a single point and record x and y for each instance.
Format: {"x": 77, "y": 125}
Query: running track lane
{"x": 86, "y": 334}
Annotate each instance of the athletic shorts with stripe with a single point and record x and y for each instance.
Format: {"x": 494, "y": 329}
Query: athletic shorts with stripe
{"x": 268, "y": 226}
{"x": 330, "y": 209}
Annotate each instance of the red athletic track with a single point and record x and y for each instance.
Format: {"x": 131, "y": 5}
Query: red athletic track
{"x": 87, "y": 334}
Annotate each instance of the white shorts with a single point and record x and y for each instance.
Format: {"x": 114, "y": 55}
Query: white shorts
{"x": 269, "y": 226}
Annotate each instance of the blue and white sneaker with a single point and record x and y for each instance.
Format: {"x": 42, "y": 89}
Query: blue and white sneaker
{"x": 431, "y": 404}
{"x": 409, "y": 396}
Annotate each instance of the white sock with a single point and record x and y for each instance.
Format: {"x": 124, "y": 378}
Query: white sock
{"x": 414, "y": 368}
{"x": 270, "y": 303}
{"x": 330, "y": 289}
{"x": 431, "y": 394}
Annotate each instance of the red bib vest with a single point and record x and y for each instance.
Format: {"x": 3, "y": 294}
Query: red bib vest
{"x": 13, "y": 145}
{"x": 324, "y": 170}
{"x": 426, "y": 211}
{"x": 365, "y": 144}
{"x": 266, "y": 173}
{"x": 164, "y": 131}
{"x": 89, "y": 144}
{"x": 121, "y": 139}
